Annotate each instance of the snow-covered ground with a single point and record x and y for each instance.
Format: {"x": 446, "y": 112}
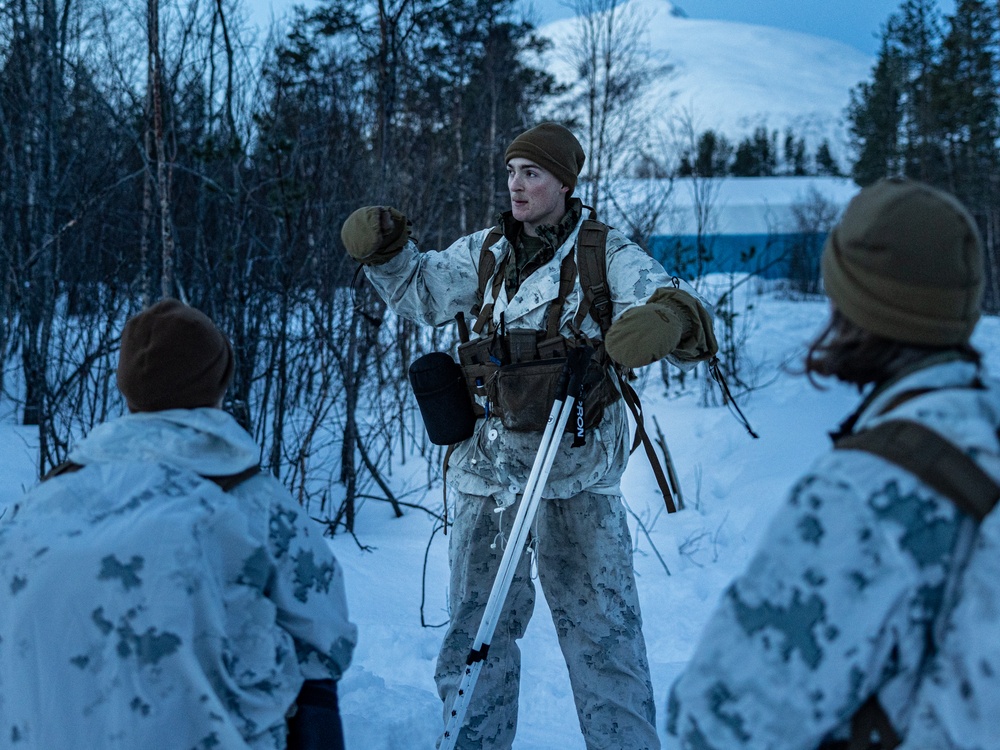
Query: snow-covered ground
{"x": 732, "y": 484}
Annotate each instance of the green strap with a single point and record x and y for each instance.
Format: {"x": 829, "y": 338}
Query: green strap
{"x": 944, "y": 467}
{"x": 591, "y": 252}
{"x": 225, "y": 481}
{"x": 933, "y": 459}
{"x": 641, "y": 436}
{"x": 487, "y": 265}
{"x": 567, "y": 279}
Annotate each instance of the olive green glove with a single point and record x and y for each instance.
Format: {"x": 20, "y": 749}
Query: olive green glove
{"x": 375, "y": 234}
{"x": 670, "y": 322}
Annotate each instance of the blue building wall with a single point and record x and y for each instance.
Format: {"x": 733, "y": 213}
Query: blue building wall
{"x": 772, "y": 256}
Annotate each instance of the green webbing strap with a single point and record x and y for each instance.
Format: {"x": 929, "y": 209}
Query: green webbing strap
{"x": 487, "y": 265}
{"x": 229, "y": 481}
{"x": 635, "y": 406}
{"x": 66, "y": 467}
{"x": 944, "y": 467}
{"x": 933, "y": 459}
{"x": 591, "y": 253}
{"x": 567, "y": 279}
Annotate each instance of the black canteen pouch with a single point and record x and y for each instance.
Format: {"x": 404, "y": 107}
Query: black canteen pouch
{"x": 445, "y": 405}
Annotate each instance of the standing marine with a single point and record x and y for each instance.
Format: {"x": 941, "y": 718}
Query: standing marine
{"x": 520, "y": 283}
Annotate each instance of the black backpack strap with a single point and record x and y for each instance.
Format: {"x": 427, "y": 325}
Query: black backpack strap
{"x": 933, "y": 459}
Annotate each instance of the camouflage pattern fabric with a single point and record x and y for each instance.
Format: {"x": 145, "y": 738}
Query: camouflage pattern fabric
{"x": 845, "y": 589}
{"x": 958, "y": 703}
{"x": 143, "y": 607}
{"x": 432, "y": 287}
{"x": 489, "y": 472}
{"x": 603, "y": 644}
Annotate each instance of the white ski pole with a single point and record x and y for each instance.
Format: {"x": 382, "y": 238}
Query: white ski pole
{"x": 569, "y": 390}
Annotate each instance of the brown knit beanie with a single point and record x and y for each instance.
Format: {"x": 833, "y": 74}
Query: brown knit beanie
{"x": 552, "y": 147}
{"x": 173, "y": 357}
{"x": 906, "y": 262}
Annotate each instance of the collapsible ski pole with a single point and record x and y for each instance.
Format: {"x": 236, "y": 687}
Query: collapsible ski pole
{"x": 569, "y": 390}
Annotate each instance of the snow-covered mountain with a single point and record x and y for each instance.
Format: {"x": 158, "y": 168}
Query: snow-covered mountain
{"x": 732, "y": 77}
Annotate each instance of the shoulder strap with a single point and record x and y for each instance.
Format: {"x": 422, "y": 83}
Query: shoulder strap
{"x": 871, "y": 721}
{"x": 932, "y": 458}
{"x": 66, "y": 467}
{"x": 567, "y": 279}
{"x": 229, "y": 481}
{"x": 487, "y": 265}
{"x": 225, "y": 481}
{"x": 591, "y": 258}
{"x": 631, "y": 399}
{"x": 940, "y": 464}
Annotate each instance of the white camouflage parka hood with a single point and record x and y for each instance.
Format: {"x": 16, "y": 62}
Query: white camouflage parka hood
{"x": 432, "y": 287}
{"x": 143, "y": 607}
{"x": 844, "y": 591}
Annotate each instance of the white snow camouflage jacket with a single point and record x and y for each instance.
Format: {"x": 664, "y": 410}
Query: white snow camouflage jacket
{"x": 143, "y": 607}
{"x": 432, "y": 287}
{"x": 844, "y": 591}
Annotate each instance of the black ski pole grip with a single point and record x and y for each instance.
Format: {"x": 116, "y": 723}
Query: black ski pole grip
{"x": 578, "y": 362}
{"x": 562, "y": 385}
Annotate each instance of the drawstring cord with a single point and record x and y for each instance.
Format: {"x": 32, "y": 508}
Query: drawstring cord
{"x": 499, "y": 538}
{"x": 358, "y": 308}
{"x": 533, "y": 550}
{"x": 727, "y": 397}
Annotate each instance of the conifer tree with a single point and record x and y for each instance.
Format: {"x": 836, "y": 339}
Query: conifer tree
{"x": 875, "y": 116}
{"x": 825, "y": 163}
{"x": 965, "y": 100}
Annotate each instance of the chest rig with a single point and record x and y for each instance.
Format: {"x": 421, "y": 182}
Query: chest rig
{"x": 515, "y": 371}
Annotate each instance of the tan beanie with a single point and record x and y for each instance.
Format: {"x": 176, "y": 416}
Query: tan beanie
{"x": 906, "y": 262}
{"x": 552, "y": 147}
{"x": 173, "y": 357}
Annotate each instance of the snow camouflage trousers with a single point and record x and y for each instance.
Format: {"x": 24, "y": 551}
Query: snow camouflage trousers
{"x": 584, "y": 561}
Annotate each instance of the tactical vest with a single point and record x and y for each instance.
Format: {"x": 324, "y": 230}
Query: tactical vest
{"x": 515, "y": 371}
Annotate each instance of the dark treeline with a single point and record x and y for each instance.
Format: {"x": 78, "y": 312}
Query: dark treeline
{"x": 761, "y": 154}
{"x": 932, "y": 111}
{"x": 153, "y": 151}
{"x": 160, "y": 150}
